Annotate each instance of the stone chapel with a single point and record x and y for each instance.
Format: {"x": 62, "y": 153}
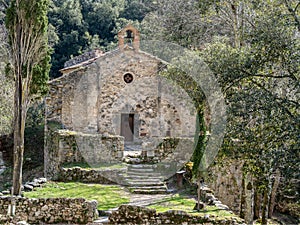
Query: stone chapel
{"x": 107, "y": 103}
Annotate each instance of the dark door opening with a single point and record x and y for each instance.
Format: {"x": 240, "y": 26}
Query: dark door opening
{"x": 127, "y": 126}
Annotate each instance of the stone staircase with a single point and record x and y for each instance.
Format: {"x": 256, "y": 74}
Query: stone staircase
{"x": 142, "y": 179}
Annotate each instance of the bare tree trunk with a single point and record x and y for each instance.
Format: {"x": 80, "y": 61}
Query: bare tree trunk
{"x": 274, "y": 192}
{"x": 18, "y": 160}
{"x": 257, "y": 204}
{"x": 198, "y": 195}
{"x": 264, "y": 217}
{"x": 20, "y": 111}
{"x": 243, "y": 199}
{"x": 28, "y": 41}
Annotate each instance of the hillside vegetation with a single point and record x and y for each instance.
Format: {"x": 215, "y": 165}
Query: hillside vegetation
{"x": 252, "y": 48}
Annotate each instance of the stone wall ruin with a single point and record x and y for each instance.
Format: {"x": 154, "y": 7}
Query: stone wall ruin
{"x": 50, "y": 210}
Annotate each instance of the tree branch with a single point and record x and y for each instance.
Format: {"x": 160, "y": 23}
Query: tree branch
{"x": 293, "y": 12}
{"x": 274, "y": 98}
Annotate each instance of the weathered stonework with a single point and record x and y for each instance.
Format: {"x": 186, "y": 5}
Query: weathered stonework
{"x": 131, "y": 215}
{"x": 65, "y": 146}
{"x": 89, "y": 175}
{"x": 226, "y": 181}
{"x": 232, "y": 187}
{"x": 50, "y": 210}
{"x": 113, "y": 95}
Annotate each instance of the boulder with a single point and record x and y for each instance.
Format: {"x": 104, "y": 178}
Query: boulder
{"x": 42, "y": 180}
{"x": 222, "y": 206}
{"x": 6, "y": 192}
{"x": 28, "y": 187}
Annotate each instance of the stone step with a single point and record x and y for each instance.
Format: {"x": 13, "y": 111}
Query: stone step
{"x": 138, "y": 177}
{"x": 148, "y": 170}
{"x": 143, "y": 173}
{"x": 142, "y": 166}
{"x": 144, "y": 179}
{"x": 149, "y": 192}
{"x": 141, "y": 183}
{"x": 148, "y": 187}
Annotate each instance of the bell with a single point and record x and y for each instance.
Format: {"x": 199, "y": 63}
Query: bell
{"x": 129, "y": 34}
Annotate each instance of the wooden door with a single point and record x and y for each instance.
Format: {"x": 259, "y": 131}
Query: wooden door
{"x": 127, "y": 126}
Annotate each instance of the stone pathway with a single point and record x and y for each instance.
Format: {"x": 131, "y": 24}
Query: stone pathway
{"x": 146, "y": 200}
{"x": 137, "y": 200}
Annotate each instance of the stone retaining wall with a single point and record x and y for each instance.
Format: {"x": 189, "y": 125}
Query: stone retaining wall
{"x": 226, "y": 179}
{"x": 132, "y": 215}
{"x": 65, "y": 146}
{"x": 89, "y": 176}
{"x": 50, "y": 210}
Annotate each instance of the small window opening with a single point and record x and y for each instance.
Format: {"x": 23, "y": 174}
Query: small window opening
{"x": 128, "y": 78}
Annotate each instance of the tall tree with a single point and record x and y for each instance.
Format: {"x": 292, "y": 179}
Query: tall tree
{"x": 252, "y": 47}
{"x": 26, "y": 22}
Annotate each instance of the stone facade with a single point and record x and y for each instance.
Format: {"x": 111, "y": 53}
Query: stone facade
{"x": 113, "y": 95}
{"x": 131, "y": 215}
{"x": 93, "y": 99}
{"x": 51, "y": 210}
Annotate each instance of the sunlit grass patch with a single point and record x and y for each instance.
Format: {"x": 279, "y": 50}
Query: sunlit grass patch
{"x": 175, "y": 202}
{"x": 107, "y": 196}
{"x": 181, "y": 202}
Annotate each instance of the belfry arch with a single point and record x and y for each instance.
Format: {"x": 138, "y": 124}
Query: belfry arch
{"x": 129, "y": 36}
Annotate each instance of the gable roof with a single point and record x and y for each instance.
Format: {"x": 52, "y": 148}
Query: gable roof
{"x": 82, "y": 61}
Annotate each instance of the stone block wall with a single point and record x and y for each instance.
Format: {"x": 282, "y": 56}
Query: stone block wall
{"x": 226, "y": 181}
{"x": 89, "y": 176}
{"x": 131, "y": 215}
{"x": 232, "y": 186}
{"x": 51, "y": 210}
{"x": 166, "y": 147}
{"x": 65, "y": 146}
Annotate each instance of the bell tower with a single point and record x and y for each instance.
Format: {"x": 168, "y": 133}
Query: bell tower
{"x": 129, "y": 36}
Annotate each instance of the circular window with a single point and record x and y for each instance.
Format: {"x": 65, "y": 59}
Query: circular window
{"x": 128, "y": 78}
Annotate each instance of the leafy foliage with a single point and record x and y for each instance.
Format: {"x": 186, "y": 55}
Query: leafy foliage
{"x": 6, "y": 86}
{"x": 81, "y": 25}
{"x": 252, "y": 47}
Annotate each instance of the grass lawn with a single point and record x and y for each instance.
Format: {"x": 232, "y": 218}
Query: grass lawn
{"x": 182, "y": 202}
{"x": 108, "y": 196}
